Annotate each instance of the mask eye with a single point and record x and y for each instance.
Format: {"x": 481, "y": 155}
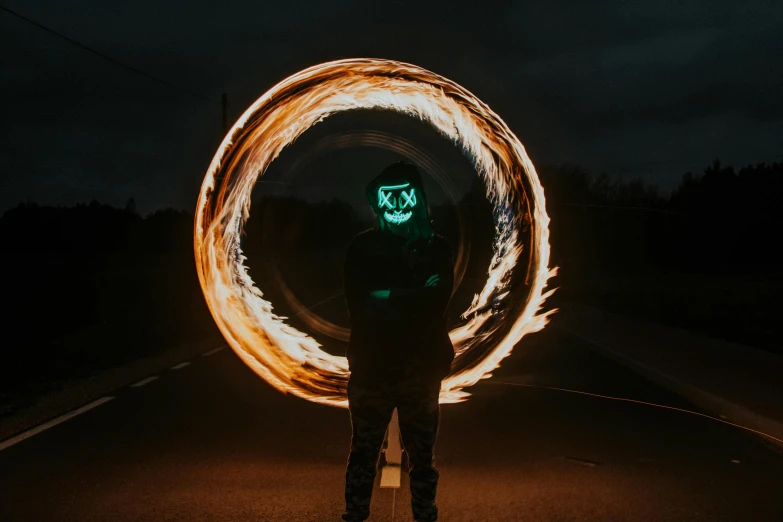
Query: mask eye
{"x": 386, "y": 200}
{"x": 408, "y": 200}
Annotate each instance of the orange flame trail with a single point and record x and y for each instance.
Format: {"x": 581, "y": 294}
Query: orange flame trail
{"x": 291, "y": 360}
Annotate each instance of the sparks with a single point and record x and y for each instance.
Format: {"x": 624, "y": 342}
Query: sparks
{"x": 291, "y": 360}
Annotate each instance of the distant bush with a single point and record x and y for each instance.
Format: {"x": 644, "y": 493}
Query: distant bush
{"x": 92, "y": 286}
{"x": 717, "y": 222}
{"x": 703, "y": 257}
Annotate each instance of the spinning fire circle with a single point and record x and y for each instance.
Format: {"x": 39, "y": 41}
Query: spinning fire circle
{"x": 508, "y": 306}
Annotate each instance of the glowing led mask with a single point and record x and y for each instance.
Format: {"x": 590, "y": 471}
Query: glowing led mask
{"x": 397, "y": 202}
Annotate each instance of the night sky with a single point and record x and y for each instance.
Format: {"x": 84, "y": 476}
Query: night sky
{"x": 635, "y": 89}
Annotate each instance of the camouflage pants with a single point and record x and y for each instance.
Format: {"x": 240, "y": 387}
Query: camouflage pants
{"x": 418, "y": 413}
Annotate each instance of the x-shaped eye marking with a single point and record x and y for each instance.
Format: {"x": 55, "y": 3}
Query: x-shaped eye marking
{"x": 384, "y": 199}
{"x": 408, "y": 200}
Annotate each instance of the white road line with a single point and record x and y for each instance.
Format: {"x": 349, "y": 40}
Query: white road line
{"x": 180, "y": 365}
{"x": 390, "y": 474}
{"x": 212, "y": 352}
{"x": 144, "y": 381}
{"x": 54, "y": 422}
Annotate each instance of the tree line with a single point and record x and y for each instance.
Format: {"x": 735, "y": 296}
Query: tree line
{"x": 721, "y": 220}
{"x": 92, "y": 285}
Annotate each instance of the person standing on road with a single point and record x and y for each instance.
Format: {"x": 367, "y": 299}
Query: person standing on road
{"x": 397, "y": 280}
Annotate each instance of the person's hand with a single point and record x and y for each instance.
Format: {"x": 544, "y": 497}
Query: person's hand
{"x": 433, "y": 280}
{"x": 380, "y": 294}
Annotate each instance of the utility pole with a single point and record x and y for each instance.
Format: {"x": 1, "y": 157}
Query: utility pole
{"x": 225, "y": 113}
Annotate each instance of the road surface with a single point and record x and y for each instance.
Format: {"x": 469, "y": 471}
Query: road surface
{"x": 211, "y": 441}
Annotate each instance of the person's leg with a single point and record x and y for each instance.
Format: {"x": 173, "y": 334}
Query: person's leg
{"x": 371, "y": 411}
{"x": 419, "y": 413}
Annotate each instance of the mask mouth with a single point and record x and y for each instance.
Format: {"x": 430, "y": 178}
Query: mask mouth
{"x": 397, "y": 217}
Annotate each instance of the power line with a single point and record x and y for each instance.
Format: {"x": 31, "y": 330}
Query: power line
{"x": 107, "y": 57}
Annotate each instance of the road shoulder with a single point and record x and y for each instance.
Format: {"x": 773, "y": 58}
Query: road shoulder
{"x": 734, "y": 382}
{"x": 82, "y": 391}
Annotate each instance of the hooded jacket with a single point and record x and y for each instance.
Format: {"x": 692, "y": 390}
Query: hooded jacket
{"x": 402, "y": 337}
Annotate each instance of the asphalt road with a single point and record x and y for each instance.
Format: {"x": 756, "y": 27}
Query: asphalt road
{"x": 211, "y": 441}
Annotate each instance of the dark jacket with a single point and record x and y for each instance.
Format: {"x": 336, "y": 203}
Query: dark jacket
{"x": 403, "y": 337}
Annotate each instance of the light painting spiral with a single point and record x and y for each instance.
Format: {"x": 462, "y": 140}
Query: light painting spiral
{"x": 500, "y": 314}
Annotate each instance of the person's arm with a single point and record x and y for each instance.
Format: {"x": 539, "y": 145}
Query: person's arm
{"x": 436, "y": 292}
{"x": 361, "y": 299}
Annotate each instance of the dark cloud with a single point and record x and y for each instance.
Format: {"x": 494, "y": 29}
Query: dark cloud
{"x": 633, "y": 88}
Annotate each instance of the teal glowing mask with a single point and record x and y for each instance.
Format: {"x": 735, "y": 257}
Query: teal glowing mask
{"x": 397, "y": 202}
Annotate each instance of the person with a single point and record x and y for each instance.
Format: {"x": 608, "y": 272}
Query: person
{"x": 397, "y": 280}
